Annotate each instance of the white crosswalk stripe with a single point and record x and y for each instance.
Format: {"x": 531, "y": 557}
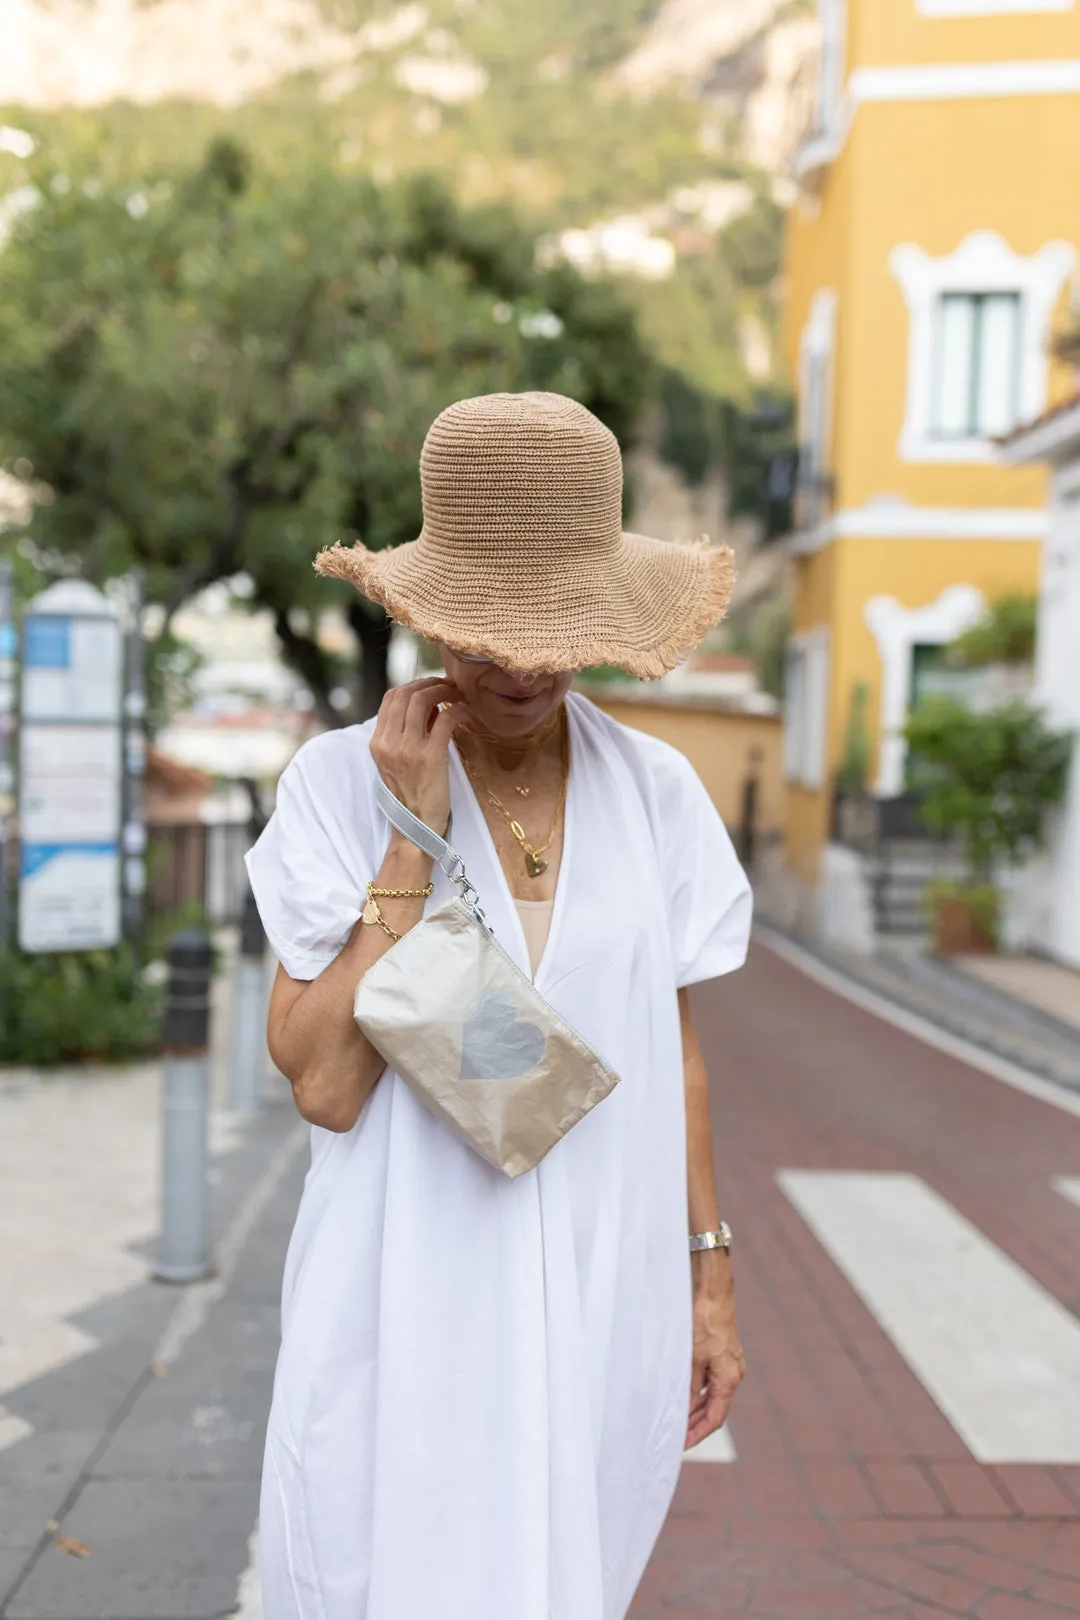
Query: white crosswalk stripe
{"x": 716, "y": 1447}
{"x": 997, "y": 1352}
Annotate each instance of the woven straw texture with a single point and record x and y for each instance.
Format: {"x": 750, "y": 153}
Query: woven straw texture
{"x": 522, "y": 556}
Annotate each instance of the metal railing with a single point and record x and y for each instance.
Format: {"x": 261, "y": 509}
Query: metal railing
{"x": 902, "y": 855}
{"x": 199, "y": 865}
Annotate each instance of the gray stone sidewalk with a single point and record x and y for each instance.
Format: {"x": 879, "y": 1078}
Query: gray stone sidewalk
{"x": 960, "y": 1003}
{"x": 138, "y": 1445}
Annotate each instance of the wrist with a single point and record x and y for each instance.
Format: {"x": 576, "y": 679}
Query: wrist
{"x": 710, "y": 1273}
{"x": 404, "y": 866}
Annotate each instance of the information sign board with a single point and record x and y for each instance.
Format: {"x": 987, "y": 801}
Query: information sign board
{"x": 70, "y": 771}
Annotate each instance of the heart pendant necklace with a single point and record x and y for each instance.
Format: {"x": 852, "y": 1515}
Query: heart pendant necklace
{"x": 535, "y": 865}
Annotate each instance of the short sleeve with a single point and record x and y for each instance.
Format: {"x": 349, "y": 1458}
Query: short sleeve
{"x": 309, "y": 868}
{"x": 708, "y": 894}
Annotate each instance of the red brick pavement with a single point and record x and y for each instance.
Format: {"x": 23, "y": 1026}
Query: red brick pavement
{"x": 852, "y": 1495}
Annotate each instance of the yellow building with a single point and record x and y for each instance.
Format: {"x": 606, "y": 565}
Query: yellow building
{"x": 931, "y": 257}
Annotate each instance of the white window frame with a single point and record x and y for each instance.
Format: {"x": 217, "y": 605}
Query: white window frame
{"x": 817, "y": 350}
{"x": 983, "y": 263}
{"x": 806, "y": 707}
{"x": 898, "y": 630}
{"x": 976, "y": 303}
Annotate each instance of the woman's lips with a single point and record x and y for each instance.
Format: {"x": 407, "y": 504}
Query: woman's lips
{"x": 517, "y": 699}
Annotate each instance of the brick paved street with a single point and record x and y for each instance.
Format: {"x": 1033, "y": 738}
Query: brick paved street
{"x": 851, "y": 1492}
{"x": 907, "y": 1441}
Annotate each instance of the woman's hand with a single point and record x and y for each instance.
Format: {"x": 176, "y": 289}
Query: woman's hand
{"x": 411, "y": 743}
{"x": 719, "y": 1363}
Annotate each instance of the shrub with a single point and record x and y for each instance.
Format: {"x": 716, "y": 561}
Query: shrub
{"x": 75, "y": 1007}
{"x": 1004, "y": 635}
{"x": 990, "y": 779}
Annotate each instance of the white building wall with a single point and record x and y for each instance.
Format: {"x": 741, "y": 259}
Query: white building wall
{"x": 1054, "y": 900}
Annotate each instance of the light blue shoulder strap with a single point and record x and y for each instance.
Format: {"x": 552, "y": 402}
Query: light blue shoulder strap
{"x": 420, "y": 834}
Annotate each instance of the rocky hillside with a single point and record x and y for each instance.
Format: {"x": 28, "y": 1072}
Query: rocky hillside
{"x": 651, "y": 141}
{"x": 723, "y": 79}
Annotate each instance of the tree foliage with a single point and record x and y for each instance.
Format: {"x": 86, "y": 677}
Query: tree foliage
{"x": 212, "y": 372}
{"x": 990, "y": 779}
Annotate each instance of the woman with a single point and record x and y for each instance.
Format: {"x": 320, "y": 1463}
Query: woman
{"x": 483, "y": 1388}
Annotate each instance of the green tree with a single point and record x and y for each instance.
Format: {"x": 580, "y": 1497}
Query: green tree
{"x": 210, "y": 372}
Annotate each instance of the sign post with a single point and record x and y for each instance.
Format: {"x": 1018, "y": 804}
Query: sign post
{"x": 70, "y": 771}
{"x": 8, "y": 649}
{"x": 134, "y": 825}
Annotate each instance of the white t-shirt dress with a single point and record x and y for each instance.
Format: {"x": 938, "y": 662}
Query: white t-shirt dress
{"x": 482, "y": 1390}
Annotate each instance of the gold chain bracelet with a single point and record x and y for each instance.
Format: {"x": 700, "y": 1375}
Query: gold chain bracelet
{"x": 372, "y": 912}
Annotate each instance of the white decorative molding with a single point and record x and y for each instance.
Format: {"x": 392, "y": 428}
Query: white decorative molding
{"x": 989, "y": 8}
{"x": 955, "y": 81}
{"x": 895, "y": 519}
{"x": 983, "y": 263}
{"x": 934, "y": 81}
{"x": 897, "y": 630}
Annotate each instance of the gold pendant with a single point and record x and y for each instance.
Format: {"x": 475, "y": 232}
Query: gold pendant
{"x": 533, "y": 864}
{"x": 371, "y": 913}
{"x": 524, "y": 791}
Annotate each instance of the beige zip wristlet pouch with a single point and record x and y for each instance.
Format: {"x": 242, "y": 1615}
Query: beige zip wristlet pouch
{"x": 468, "y": 1032}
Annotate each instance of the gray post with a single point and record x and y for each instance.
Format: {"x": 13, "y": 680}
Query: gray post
{"x": 183, "y": 1251}
{"x": 249, "y": 1013}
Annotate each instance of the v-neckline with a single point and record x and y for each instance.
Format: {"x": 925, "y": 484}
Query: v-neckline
{"x": 569, "y": 817}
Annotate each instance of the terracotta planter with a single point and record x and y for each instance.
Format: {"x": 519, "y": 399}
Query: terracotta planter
{"x": 956, "y": 932}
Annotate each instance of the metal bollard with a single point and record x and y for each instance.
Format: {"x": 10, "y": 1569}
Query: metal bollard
{"x": 183, "y": 1250}
{"x": 249, "y": 1013}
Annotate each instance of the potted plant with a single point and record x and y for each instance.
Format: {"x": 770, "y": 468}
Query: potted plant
{"x": 991, "y": 781}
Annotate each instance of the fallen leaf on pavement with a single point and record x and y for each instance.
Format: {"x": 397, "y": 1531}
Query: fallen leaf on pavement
{"x": 68, "y": 1544}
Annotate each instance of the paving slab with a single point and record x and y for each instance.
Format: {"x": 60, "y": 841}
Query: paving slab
{"x": 176, "y": 1550}
{"x": 206, "y": 1419}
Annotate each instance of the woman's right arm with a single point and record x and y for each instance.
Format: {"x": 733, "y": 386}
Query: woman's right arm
{"x": 311, "y": 1033}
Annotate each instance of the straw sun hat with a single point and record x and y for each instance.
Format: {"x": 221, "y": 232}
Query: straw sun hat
{"x": 523, "y": 557}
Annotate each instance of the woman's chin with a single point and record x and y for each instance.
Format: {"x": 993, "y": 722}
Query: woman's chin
{"x": 507, "y": 716}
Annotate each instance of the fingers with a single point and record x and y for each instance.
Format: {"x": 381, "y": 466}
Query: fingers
{"x": 709, "y": 1405}
{"x": 419, "y": 706}
{"x": 394, "y": 709}
{"x": 699, "y": 1381}
{"x": 445, "y": 721}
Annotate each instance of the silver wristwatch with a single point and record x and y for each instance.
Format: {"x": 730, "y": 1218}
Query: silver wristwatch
{"x": 720, "y": 1239}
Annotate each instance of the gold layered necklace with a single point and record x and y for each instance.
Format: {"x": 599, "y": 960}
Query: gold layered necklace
{"x": 520, "y": 746}
{"x": 535, "y": 864}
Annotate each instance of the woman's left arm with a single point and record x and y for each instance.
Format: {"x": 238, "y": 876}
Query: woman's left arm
{"x": 718, "y": 1363}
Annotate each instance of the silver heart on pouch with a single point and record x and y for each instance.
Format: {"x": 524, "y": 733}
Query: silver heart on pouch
{"x": 496, "y": 1043}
